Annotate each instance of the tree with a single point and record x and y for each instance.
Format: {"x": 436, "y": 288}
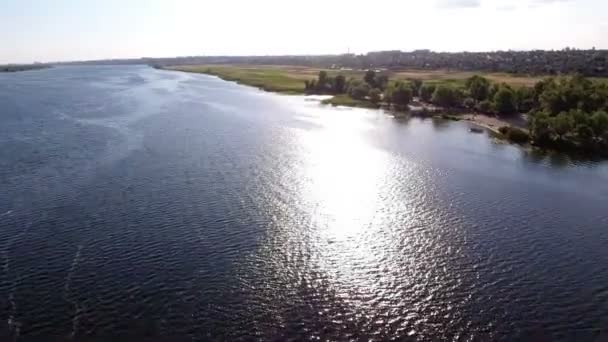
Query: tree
{"x": 310, "y": 86}
{"x": 540, "y": 86}
{"x": 567, "y": 93}
{"x": 370, "y": 78}
{"x": 515, "y": 134}
{"x": 540, "y": 127}
{"x": 426, "y": 92}
{"x": 479, "y": 87}
{"x": 599, "y": 96}
{"x": 524, "y": 98}
{"x": 469, "y": 103}
{"x": 416, "y": 86}
{"x": 381, "y": 81}
{"x": 504, "y": 101}
{"x": 388, "y": 94}
{"x": 401, "y": 95}
{"x": 553, "y": 101}
{"x": 599, "y": 123}
{"x": 375, "y": 95}
{"x": 359, "y": 91}
{"x": 322, "y": 81}
{"x": 485, "y": 107}
{"x": 445, "y": 96}
{"x": 585, "y": 133}
{"x": 459, "y": 95}
{"x": 339, "y": 84}
{"x": 580, "y": 117}
{"x": 562, "y": 124}
{"x": 493, "y": 90}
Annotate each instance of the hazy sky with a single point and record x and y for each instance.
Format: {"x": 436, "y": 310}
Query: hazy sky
{"x": 53, "y": 30}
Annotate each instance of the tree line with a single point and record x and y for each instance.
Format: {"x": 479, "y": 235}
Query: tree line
{"x": 374, "y": 87}
{"x": 478, "y": 94}
{"x": 590, "y": 62}
{"x": 568, "y": 112}
{"x": 21, "y": 67}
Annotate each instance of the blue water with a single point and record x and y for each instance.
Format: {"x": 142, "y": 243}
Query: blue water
{"x": 143, "y": 203}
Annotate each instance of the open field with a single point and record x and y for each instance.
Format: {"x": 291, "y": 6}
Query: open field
{"x": 459, "y": 77}
{"x": 290, "y": 79}
{"x": 267, "y": 78}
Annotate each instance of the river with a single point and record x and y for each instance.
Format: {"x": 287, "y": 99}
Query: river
{"x": 145, "y": 203}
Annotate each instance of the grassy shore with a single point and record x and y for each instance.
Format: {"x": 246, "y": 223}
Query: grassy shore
{"x": 290, "y": 79}
{"x": 514, "y": 128}
{"x": 267, "y": 78}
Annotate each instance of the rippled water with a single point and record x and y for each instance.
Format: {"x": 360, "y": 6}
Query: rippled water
{"x": 145, "y": 203}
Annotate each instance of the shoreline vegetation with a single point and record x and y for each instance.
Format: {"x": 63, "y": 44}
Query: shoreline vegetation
{"x": 22, "y": 67}
{"x": 590, "y": 62}
{"x": 564, "y": 113}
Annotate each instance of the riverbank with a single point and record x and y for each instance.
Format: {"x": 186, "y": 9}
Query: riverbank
{"x": 486, "y": 100}
{"x": 494, "y": 123}
{"x": 17, "y": 68}
{"x": 274, "y": 79}
{"x": 489, "y": 122}
{"x": 291, "y": 80}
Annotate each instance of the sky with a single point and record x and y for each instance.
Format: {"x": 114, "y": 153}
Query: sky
{"x": 60, "y": 30}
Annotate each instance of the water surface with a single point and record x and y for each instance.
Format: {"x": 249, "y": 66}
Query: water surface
{"x": 144, "y": 203}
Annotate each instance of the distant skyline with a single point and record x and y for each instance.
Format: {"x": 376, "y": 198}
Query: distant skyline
{"x": 62, "y": 30}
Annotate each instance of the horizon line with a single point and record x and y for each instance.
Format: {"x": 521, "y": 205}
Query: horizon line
{"x": 297, "y": 55}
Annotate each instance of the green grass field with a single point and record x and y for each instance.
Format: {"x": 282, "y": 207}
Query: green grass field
{"x": 267, "y": 78}
{"x": 290, "y": 79}
{"x": 458, "y": 78}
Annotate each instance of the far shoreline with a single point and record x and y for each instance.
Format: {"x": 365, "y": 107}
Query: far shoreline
{"x": 490, "y": 123}
{"x": 451, "y": 99}
{"x": 22, "y": 67}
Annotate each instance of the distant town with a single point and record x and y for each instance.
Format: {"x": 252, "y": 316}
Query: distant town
{"x": 538, "y": 62}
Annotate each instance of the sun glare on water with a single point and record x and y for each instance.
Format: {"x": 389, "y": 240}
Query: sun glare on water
{"x": 345, "y": 175}
{"x": 346, "y": 183}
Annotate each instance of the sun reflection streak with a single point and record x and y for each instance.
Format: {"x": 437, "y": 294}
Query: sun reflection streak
{"x": 346, "y": 179}
{"x": 354, "y": 242}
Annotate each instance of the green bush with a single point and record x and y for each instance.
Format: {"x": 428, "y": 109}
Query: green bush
{"x": 416, "y": 86}
{"x": 401, "y": 94}
{"x": 504, "y": 101}
{"x": 515, "y": 134}
{"x": 446, "y": 96}
{"x": 426, "y": 92}
{"x": 469, "y": 103}
{"x": 358, "y": 91}
{"x": 485, "y": 107}
{"x": 479, "y": 87}
{"x": 375, "y": 95}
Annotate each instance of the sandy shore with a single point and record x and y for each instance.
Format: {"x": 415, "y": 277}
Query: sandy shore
{"x": 493, "y": 123}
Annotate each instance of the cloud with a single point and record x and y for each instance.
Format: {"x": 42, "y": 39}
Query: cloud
{"x": 510, "y": 5}
{"x": 458, "y": 3}
{"x": 506, "y": 7}
{"x": 536, "y": 3}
